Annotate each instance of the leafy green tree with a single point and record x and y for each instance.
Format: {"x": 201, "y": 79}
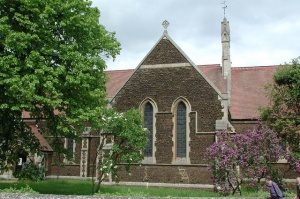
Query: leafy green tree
{"x": 123, "y": 140}
{"x": 283, "y": 112}
{"x": 52, "y": 57}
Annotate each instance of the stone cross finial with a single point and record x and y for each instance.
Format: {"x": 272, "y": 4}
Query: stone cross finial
{"x": 224, "y": 6}
{"x": 165, "y": 24}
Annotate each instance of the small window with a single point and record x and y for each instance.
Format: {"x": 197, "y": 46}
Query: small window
{"x": 70, "y": 145}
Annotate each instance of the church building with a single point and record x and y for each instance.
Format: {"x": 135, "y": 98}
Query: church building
{"x": 183, "y": 106}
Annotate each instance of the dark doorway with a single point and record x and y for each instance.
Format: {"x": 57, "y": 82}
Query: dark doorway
{"x": 19, "y": 165}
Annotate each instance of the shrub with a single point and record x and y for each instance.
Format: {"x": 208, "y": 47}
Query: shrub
{"x": 237, "y": 157}
{"x": 31, "y": 171}
{"x": 277, "y": 178}
{"x": 26, "y": 189}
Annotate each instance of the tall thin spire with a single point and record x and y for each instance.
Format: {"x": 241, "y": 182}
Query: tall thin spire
{"x": 226, "y": 62}
{"x": 225, "y": 36}
{"x": 226, "y": 72}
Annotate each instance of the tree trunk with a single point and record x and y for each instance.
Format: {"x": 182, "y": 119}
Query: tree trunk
{"x": 99, "y": 183}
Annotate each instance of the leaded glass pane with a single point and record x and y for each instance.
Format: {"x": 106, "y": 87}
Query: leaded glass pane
{"x": 148, "y": 121}
{"x": 70, "y": 143}
{"x": 181, "y": 130}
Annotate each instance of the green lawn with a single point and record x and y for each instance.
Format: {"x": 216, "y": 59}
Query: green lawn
{"x": 62, "y": 187}
{"x": 84, "y": 187}
{"x": 155, "y": 191}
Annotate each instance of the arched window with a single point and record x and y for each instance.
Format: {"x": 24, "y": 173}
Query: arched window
{"x": 70, "y": 147}
{"x": 148, "y": 121}
{"x": 181, "y": 129}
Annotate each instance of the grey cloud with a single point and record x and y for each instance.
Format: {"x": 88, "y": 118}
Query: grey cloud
{"x": 257, "y": 26}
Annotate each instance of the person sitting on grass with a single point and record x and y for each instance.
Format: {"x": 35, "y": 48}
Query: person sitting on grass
{"x": 275, "y": 192}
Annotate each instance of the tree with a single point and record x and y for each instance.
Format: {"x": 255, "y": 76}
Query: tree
{"x": 51, "y": 64}
{"x": 123, "y": 140}
{"x": 283, "y": 112}
{"x": 236, "y": 157}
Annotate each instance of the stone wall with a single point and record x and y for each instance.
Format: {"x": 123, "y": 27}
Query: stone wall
{"x": 243, "y": 126}
{"x": 164, "y": 53}
{"x": 164, "y": 86}
{"x": 72, "y": 168}
{"x": 183, "y": 174}
{"x": 164, "y": 143}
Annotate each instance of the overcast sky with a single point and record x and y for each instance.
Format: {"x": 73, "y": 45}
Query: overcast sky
{"x": 263, "y": 32}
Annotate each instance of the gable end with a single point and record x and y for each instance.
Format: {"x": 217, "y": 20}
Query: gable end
{"x": 164, "y": 53}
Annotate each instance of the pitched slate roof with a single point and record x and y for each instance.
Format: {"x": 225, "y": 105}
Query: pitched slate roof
{"x": 43, "y": 143}
{"x": 116, "y": 81}
{"x": 45, "y": 146}
{"x": 247, "y": 92}
{"x": 214, "y": 73}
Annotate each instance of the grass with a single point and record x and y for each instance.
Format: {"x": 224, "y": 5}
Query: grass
{"x": 59, "y": 187}
{"x": 155, "y": 192}
{"x": 84, "y": 187}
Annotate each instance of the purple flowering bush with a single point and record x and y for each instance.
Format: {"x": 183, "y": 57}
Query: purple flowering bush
{"x": 236, "y": 159}
{"x": 294, "y": 161}
{"x": 221, "y": 157}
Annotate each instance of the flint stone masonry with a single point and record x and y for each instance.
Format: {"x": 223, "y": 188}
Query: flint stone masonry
{"x": 164, "y": 53}
{"x": 195, "y": 176}
{"x": 165, "y": 85}
{"x": 166, "y": 77}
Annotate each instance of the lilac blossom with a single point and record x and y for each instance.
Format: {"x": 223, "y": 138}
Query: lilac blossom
{"x": 237, "y": 157}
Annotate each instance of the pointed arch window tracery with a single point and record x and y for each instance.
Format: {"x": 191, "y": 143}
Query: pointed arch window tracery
{"x": 149, "y": 109}
{"x": 148, "y": 121}
{"x": 181, "y": 109}
{"x": 181, "y": 130}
